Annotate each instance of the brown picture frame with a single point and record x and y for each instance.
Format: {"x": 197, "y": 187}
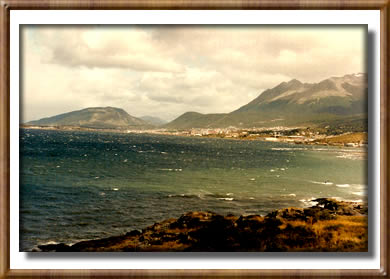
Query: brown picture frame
{"x": 7, "y": 5}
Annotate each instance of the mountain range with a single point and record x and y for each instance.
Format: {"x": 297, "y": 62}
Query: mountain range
{"x": 290, "y": 103}
{"x": 335, "y": 99}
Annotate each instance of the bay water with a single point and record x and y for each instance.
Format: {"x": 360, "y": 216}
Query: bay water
{"x": 81, "y": 185}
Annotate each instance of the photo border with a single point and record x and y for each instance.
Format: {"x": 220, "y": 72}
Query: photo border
{"x": 7, "y": 5}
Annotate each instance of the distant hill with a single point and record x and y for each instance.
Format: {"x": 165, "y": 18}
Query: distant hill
{"x": 154, "y": 120}
{"x": 96, "y": 117}
{"x": 291, "y": 103}
{"x": 190, "y": 120}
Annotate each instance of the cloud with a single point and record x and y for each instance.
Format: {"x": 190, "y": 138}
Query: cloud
{"x": 93, "y": 47}
{"x": 167, "y": 70}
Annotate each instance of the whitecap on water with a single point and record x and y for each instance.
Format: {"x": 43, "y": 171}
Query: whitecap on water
{"x": 359, "y": 186}
{"x": 308, "y": 202}
{"x": 359, "y": 193}
{"x": 343, "y": 185}
{"x": 225, "y": 199}
{"x": 252, "y": 179}
{"x": 115, "y": 189}
{"x": 359, "y": 201}
{"x": 287, "y": 148}
{"x": 323, "y": 183}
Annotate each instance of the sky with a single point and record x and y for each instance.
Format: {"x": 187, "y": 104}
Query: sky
{"x": 165, "y": 71}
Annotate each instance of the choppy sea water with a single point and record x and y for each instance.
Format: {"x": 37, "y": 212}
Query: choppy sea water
{"x": 84, "y": 185}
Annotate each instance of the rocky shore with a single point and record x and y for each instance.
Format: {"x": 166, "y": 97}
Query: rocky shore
{"x": 330, "y": 225}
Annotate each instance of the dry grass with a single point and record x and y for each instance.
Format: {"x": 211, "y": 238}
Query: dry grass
{"x": 332, "y": 226}
{"x": 354, "y": 137}
{"x": 346, "y": 233}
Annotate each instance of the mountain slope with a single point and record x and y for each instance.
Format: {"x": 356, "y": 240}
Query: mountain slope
{"x": 291, "y": 103}
{"x": 190, "y": 120}
{"x": 154, "y": 120}
{"x": 97, "y": 117}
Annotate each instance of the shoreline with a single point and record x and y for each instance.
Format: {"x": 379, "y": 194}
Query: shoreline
{"x": 330, "y": 225}
{"x": 358, "y": 139}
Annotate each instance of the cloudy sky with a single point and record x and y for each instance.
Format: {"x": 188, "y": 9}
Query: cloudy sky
{"x": 165, "y": 71}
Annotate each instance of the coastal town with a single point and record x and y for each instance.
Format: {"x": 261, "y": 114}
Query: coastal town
{"x": 293, "y": 135}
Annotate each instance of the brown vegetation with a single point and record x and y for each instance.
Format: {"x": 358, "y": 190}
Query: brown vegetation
{"x": 329, "y": 226}
{"x": 346, "y": 138}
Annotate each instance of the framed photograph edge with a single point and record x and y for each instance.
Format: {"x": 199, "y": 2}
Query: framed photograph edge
{"x": 7, "y": 5}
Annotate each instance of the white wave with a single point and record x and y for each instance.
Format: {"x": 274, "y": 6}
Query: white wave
{"x": 292, "y": 195}
{"x": 343, "y": 185}
{"x": 359, "y": 201}
{"x": 351, "y": 156}
{"x": 271, "y": 170}
{"x": 359, "y": 193}
{"x": 287, "y": 148}
{"x": 229, "y": 194}
{"x": 115, "y": 189}
{"x": 323, "y": 183}
{"x": 308, "y": 202}
{"x": 252, "y": 179}
{"x": 225, "y": 199}
{"x": 50, "y": 242}
{"x": 359, "y": 186}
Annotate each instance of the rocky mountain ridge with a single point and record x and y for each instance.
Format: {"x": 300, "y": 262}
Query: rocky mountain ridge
{"x": 291, "y": 103}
